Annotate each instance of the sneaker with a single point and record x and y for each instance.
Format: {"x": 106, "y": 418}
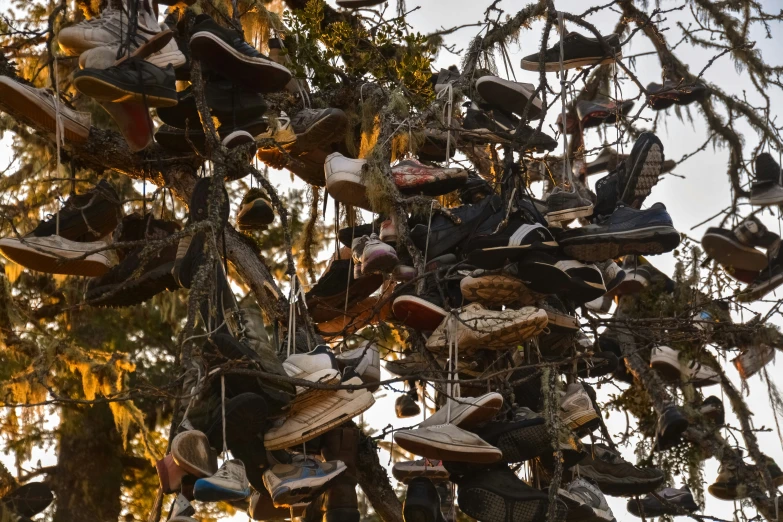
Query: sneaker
{"x": 650, "y": 507}
{"x": 564, "y": 205}
{"x": 578, "y": 51}
{"x": 641, "y": 170}
{"x": 613, "y": 275}
{"x": 377, "y": 256}
{"x": 585, "y": 502}
{"x": 625, "y": 231}
{"x": 318, "y": 365}
{"x": 133, "y": 121}
{"x": 226, "y": 52}
{"x": 479, "y": 328}
{"x": 585, "y": 281}
{"x": 411, "y": 364}
{"x": 344, "y": 180}
{"x": 365, "y": 360}
{"x": 326, "y": 299}
{"x": 261, "y": 507}
{"x": 227, "y": 484}
{"x": 576, "y": 409}
{"x": 727, "y": 485}
{"x": 256, "y": 211}
{"x": 769, "y": 279}
{"x": 319, "y": 417}
{"x": 422, "y": 502}
{"x": 29, "y": 499}
{"x": 131, "y": 80}
{"x": 159, "y": 50}
{"x": 38, "y": 108}
{"x": 417, "y": 313}
{"x": 317, "y": 129}
{"x": 447, "y": 442}
{"x": 510, "y": 97}
{"x": 181, "y": 508}
{"x": 413, "y": 177}
{"x": 498, "y": 495}
{"x": 405, "y": 470}
{"x": 495, "y": 289}
{"x": 466, "y": 412}
{"x": 666, "y": 361}
{"x": 281, "y": 133}
{"x": 767, "y": 169}
{"x": 228, "y": 102}
{"x": 498, "y": 127}
{"x": 615, "y": 476}
{"x": 57, "y": 255}
{"x": 106, "y": 30}
{"x": 405, "y": 407}
{"x": 388, "y": 232}
{"x": 513, "y": 242}
{"x": 712, "y": 408}
{"x": 753, "y": 358}
{"x": 357, "y": 250}
{"x": 663, "y": 96}
{"x": 671, "y": 425}
{"x": 766, "y": 190}
{"x": 739, "y": 247}
{"x": 300, "y": 480}
{"x": 191, "y": 452}
{"x": 523, "y": 438}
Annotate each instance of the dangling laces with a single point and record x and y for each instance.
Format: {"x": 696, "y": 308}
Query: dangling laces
{"x": 223, "y": 413}
{"x": 563, "y": 100}
{"x": 429, "y": 228}
{"x": 291, "y": 343}
{"x": 448, "y": 109}
{"x": 59, "y": 133}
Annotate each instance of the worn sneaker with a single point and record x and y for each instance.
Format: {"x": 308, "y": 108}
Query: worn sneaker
{"x": 413, "y": 177}
{"x": 191, "y": 452}
{"x": 585, "y": 502}
{"x": 159, "y": 50}
{"x": 712, "y": 408}
{"x": 326, "y": 300}
{"x": 739, "y": 247}
{"x": 510, "y": 97}
{"x": 650, "y": 507}
{"x": 181, "y": 508}
{"x": 564, "y": 205}
{"x": 377, "y": 256}
{"x": 523, "y": 438}
{"x": 593, "y": 113}
{"x": 578, "y": 51}
{"x": 615, "y": 476}
{"x": 666, "y": 361}
{"x": 663, "y": 96}
{"x": 57, "y": 255}
{"x": 769, "y": 279}
{"x": 727, "y": 485}
{"x": 494, "y": 289}
{"x": 494, "y": 126}
{"x": 753, "y": 358}
{"x": 106, "y": 30}
{"x": 411, "y": 364}
{"x": 300, "y": 480}
{"x": 405, "y": 470}
{"x": 170, "y": 474}
{"x": 576, "y": 409}
{"x": 766, "y": 189}
{"x": 131, "y": 80}
{"x": 422, "y": 502}
{"x": 318, "y": 365}
{"x": 607, "y": 160}
{"x": 344, "y": 180}
{"x": 255, "y": 212}
{"x": 229, "y": 103}
{"x": 447, "y": 442}
{"x": 364, "y": 360}
{"x": 466, "y": 412}
{"x": 226, "y": 52}
{"x": 229, "y": 483}
{"x": 641, "y": 170}
{"x": 417, "y": 313}
{"x": 317, "y": 128}
{"x": 89, "y": 216}
{"x": 671, "y": 425}
{"x": 512, "y": 243}
{"x": 39, "y": 108}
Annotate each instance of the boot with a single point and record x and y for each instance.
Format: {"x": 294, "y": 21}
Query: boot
{"x": 340, "y": 501}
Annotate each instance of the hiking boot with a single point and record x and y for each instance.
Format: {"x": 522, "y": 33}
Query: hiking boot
{"x": 651, "y": 507}
{"x": 39, "y": 108}
{"x": 564, "y": 205}
{"x": 300, "y": 480}
{"x": 753, "y": 358}
{"x": 191, "y": 452}
{"x": 228, "y": 102}
{"x": 666, "y": 361}
{"x": 739, "y": 247}
{"x": 663, "y": 96}
{"x": 422, "y": 502}
{"x": 412, "y": 177}
{"x": 405, "y": 407}
{"x": 576, "y": 409}
{"x": 106, "y": 30}
{"x": 318, "y": 365}
{"x": 615, "y": 476}
{"x": 447, "y": 442}
{"x": 466, "y": 412}
{"x": 585, "y": 502}
{"x": 85, "y": 217}
{"x": 523, "y": 438}
{"x": 510, "y": 97}
{"x": 405, "y": 470}
{"x": 255, "y": 212}
{"x": 377, "y": 256}
{"x": 671, "y": 425}
{"x": 712, "y": 408}
{"x": 578, "y": 51}
{"x": 498, "y": 495}
{"x": 317, "y": 129}
{"x": 131, "y": 80}
{"x": 229, "y": 483}
{"x": 226, "y": 52}
{"x": 593, "y": 113}
{"x": 29, "y": 499}
{"x": 365, "y": 360}
{"x": 57, "y": 255}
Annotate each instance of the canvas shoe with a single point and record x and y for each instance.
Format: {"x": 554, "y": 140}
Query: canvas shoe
{"x": 766, "y": 193}
{"x": 29, "y": 499}
{"x": 417, "y": 313}
{"x": 739, "y": 247}
{"x": 131, "y": 80}
{"x": 753, "y": 358}
{"x": 670, "y": 92}
{"x": 364, "y": 360}
{"x": 317, "y": 129}
{"x": 410, "y": 364}
{"x": 344, "y": 180}
{"x": 319, "y": 417}
{"x": 406, "y": 470}
{"x": 768, "y": 279}
{"x": 563, "y": 205}
{"x": 282, "y": 133}
{"x": 422, "y": 502}
{"x": 585, "y": 502}
{"x": 191, "y": 452}
{"x": 615, "y": 476}
{"x": 578, "y": 50}
{"x": 576, "y": 409}
{"x": 388, "y": 231}
{"x": 106, "y": 30}
{"x": 447, "y": 442}
{"x": 593, "y": 113}
{"x": 327, "y": 298}
{"x": 377, "y": 256}
{"x": 300, "y": 480}
{"x": 229, "y": 103}
{"x": 670, "y": 427}
{"x": 511, "y": 97}
{"x": 494, "y": 126}
{"x": 159, "y": 50}
{"x": 466, "y": 412}
{"x": 476, "y": 327}
{"x": 39, "y": 108}
{"x": 57, "y": 255}
{"x": 234, "y": 140}
{"x": 318, "y": 365}
{"x": 255, "y": 211}
{"x": 227, "y": 484}
{"x": 523, "y": 438}
{"x": 412, "y": 177}
{"x": 498, "y": 248}
{"x": 226, "y": 52}
{"x": 676, "y": 501}
{"x": 666, "y": 361}
{"x": 357, "y": 249}
{"x": 712, "y": 409}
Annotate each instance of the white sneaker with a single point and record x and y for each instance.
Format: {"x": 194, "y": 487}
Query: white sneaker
{"x": 106, "y": 56}
{"x": 292, "y": 483}
{"x": 576, "y": 408}
{"x": 666, "y": 361}
{"x": 229, "y": 483}
{"x": 318, "y": 365}
{"x": 753, "y": 358}
{"x": 51, "y": 254}
{"x": 447, "y": 442}
{"x": 320, "y": 416}
{"x": 467, "y": 412}
{"x": 106, "y": 30}
{"x": 365, "y": 361}
{"x": 344, "y": 180}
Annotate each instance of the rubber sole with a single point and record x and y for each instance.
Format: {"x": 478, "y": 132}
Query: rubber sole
{"x": 599, "y": 247}
{"x": 303, "y": 490}
{"x": 733, "y": 253}
{"x": 644, "y": 173}
{"x": 584, "y": 420}
{"x": 488, "y": 506}
{"x": 417, "y": 313}
{"x": 434, "y": 474}
{"x": 496, "y": 289}
{"x": 570, "y": 64}
{"x": 192, "y": 453}
{"x": 94, "y": 265}
{"x": 569, "y": 214}
{"x": 347, "y": 188}
{"x": 757, "y": 291}
{"x": 509, "y": 99}
{"x": 103, "y": 90}
{"x": 450, "y": 452}
{"x": 133, "y": 120}
{"x": 524, "y": 443}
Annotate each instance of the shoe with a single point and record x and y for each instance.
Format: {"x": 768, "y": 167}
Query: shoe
{"x": 255, "y": 212}
{"x": 344, "y": 180}
{"x": 160, "y": 50}
{"x": 417, "y": 313}
{"x": 412, "y": 177}
{"x": 739, "y": 247}
{"x": 498, "y": 495}
{"x": 523, "y": 438}
{"x": 406, "y": 470}
{"x": 282, "y": 134}
{"x": 576, "y": 409}
{"x": 727, "y": 485}
{"x": 29, "y": 499}
{"x": 593, "y": 113}
{"x": 229, "y": 103}
{"x": 447, "y": 442}
{"x": 585, "y": 502}
{"x": 666, "y": 361}
{"x": 466, "y": 412}
{"x": 497, "y": 249}
{"x": 226, "y": 52}
{"x": 318, "y": 365}
{"x": 671, "y": 425}
{"x": 479, "y": 328}
{"x": 327, "y": 298}
{"x": 578, "y": 51}
{"x": 191, "y": 452}
{"x": 422, "y": 502}
{"x": 300, "y": 480}
{"x": 261, "y": 507}
{"x": 51, "y": 254}
{"x": 405, "y": 407}
{"x": 712, "y": 408}
{"x": 607, "y": 160}
{"x": 663, "y": 96}
{"x": 181, "y": 509}
{"x": 616, "y": 477}
{"x": 227, "y": 484}
{"x": 767, "y": 169}
{"x": 388, "y": 232}
{"x": 131, "y": 80}
{"x": 170, "y": 475}
{"x": 317, "y": 129}
{"x": 510, "y": 97}
{"x": 357, "y": 250}
{"x": 651, "y": 507}
{"x": 753, "y": 358}
{"x": 364, "y": 360}
{"x": 563, "y": 205}
{"x": 106, "y": 30}
{"x": 319, "y": 417}
{"x": 183, "y": 141}
{"x": 641, "y": 170}
{"x": 85, "y": 217}
{"x": 625, "y": 231}
{"x": 769, "y": 279}
{"x": 38, "y": 108}
{"x": 495, "y": 289}
{"x": 377, "y": 256}
{"x": 585, "y": 281}
{"x": 498, "y": 127}
{"x": 412, "y": 363}
{"x": 613, "y": 275}
{"x": 766, "y": 193}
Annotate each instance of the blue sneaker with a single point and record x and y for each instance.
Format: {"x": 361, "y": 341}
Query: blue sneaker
{"x": 301, "y": 480}
{"x": 229, "y": 483}
{"x": 625, "y": 231}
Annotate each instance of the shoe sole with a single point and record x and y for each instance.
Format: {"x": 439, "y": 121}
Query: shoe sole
{"x": 174, "y": 58}
{"x": 578, "y": 511}
{"x": 753, "y": 292}
{"x": 137, "y": 291}
{"x": 383, "y": 263}
{"x": 417, "y": 313}
{"x": 487, "y": 506}
{"x": 24, "y": 106}
{"x": 666, "y": 366}
{"x": 599, "y": 247}
{"x": 471, "y": 415}
{"x": 102, "y": 90}
{"x": 266, "y": 217}
{"x": 192, "y": 453}
{"x": 496, "y": 290}
{"x": 204, "y": 491}
{"x": 429, "y": 472}
{"x": 436, "y": 187}
{"x": 330, "y": 128}
{"x": 733, "y": 253}
{"x": 569, "y": 214}
{"x": 632, "y": 284}
{"x": 561, "y": 320}
{"x": 232, "y": 64}
{"x": 287, "y": 495}
{"x": 645, "y": 172}
{"x": 94, "y": 265}
{"x": 133, "y": 120}
{"x": 347, "y": 188}
{"x": 570, "y": 64}
{"x": 524, "y": 443}
{"x": 440, "y": 451}
{"x": 764, "y": 202}
{"x": 514, "y": 332}
{"x": 509, "y": 98}
{"x": 582, "y": 420}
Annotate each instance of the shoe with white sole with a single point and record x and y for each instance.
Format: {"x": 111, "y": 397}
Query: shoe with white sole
{"x": 666, "y": 361}
{"x": 106, "y": 30}
{"x": 585, "y": 502}
{"x": 378, "y": 257}
{"x": 57, "y": 255}
{"x": 318, "y": 365}
{"x": 106, "y": 56}
{"x": 320, "y": 416}
{"x": 576, "y": 409}
{"x": 181, "y": 508}
{"x": 300, "y": 480}
{"x": 466, "y": 412}
{"x": 406, "y": 470}
{"x": 229, "y": 483}
{"x": 447, "y": 442}
{"x": 738, "y": 248}
{"x": 564, "y": 205}
{"x": 753, "y": 358}
{"x": 364, "y": 360}
{"x": 191, "y": 452}
{"x": 344, "y": 180}
{"x": 510, "y": 96}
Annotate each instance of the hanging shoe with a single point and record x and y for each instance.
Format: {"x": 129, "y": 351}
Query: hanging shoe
{"x": 523, "y": 438}
{"x": 585, "y": 502}
{"x": 160, "y": 50}
{"x": 578, "y": 50}
{"x": 511, "y": 97}
{"x": 227, "y": 484}
{"x": 712, "y": 408}
{"x": 300, "y": 480}
{"x": 255, "y": 212}
{"x": 564, "y": 206}
{"x": 191, "y": 452}
{"x": 57, "y": 255}
{"x": 615, "y": 476}
{"x": 593, "y": 113}
{"x": 663, "y": 96}
{"x": 365, "y": 360}
{"x": 740, "y": 247}
{"x": 671, "y": 425}
{"x": 494, "y": 289}
{"x": 412, "y": 177}
{"x": 318, "y": 365}
{"x": 510, "y": 244}
{"x": 674, "y": 502}
{"x": 753, "y": 358}
{"x": 132, "y": 80}
{"x": 422, "y": 502}
{"x": 326, "y": 299}
{"x": 29, "y": 499}
{"x": 768, "y": 279}
{"x": 170, "y": 474}
{"x": 447, "y": 442}
{"x": 106, "y": 30}
{"x": 229, "y": 103}
{"x": 181, "y": 509}
{"x": 406, "y": 470}
{"x": 466, "y": 412}
{"x": 405, "y": 407}
{"x": 317, "y": 129}
{"x": 377, "y": 256}
{"x": 727, "y": 485}
{"x": 576, "y": 409}
{"x": 666, "y": 361}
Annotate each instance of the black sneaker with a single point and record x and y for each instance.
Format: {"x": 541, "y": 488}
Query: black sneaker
{"x": 226, "y": 52}
{"x": 625, "y": 231}
{"x": 317, "y": 128}
{"x": 615, "y": 476}
{"x": 601, "y": 110}
{"x": 29, "y": 500}
{"x": 228, "y": 102}
{"x": 326, "y": 299}
{"x": 494, "y": 126}
{"x": 85, "y": 217}
{"x": 578, "y": 51}
{"x": 766, "y": 189}
{"x": 255, "y": 212}
{"x": 405, "y": 407}
{"x": 662, "y": 97}
{"x": 422, "y": 502}
{"x": 738, "y": 247}
{"x": 508, "y": 96}
{"x": 671, "y": 425}
{"x": 712, "y": 408}
{"x": 523, "y": 438}
{"x": 676, "y": 501}
{"x": 769, "y": 279}
{"x": 132, "y": 80}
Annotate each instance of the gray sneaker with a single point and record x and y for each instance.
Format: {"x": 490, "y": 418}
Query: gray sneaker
{"x": 585, "y": 502}
{"x": 300, "y": 480}
{"x": 616, "y": 476}
{"x": 563, "y": 205}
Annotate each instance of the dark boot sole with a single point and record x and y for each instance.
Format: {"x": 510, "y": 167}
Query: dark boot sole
{"x": 733, "y": 253}
{"x": 599, "y": 247}
{"x": 103, "y": 90}
{"x": 644, "y": 173}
